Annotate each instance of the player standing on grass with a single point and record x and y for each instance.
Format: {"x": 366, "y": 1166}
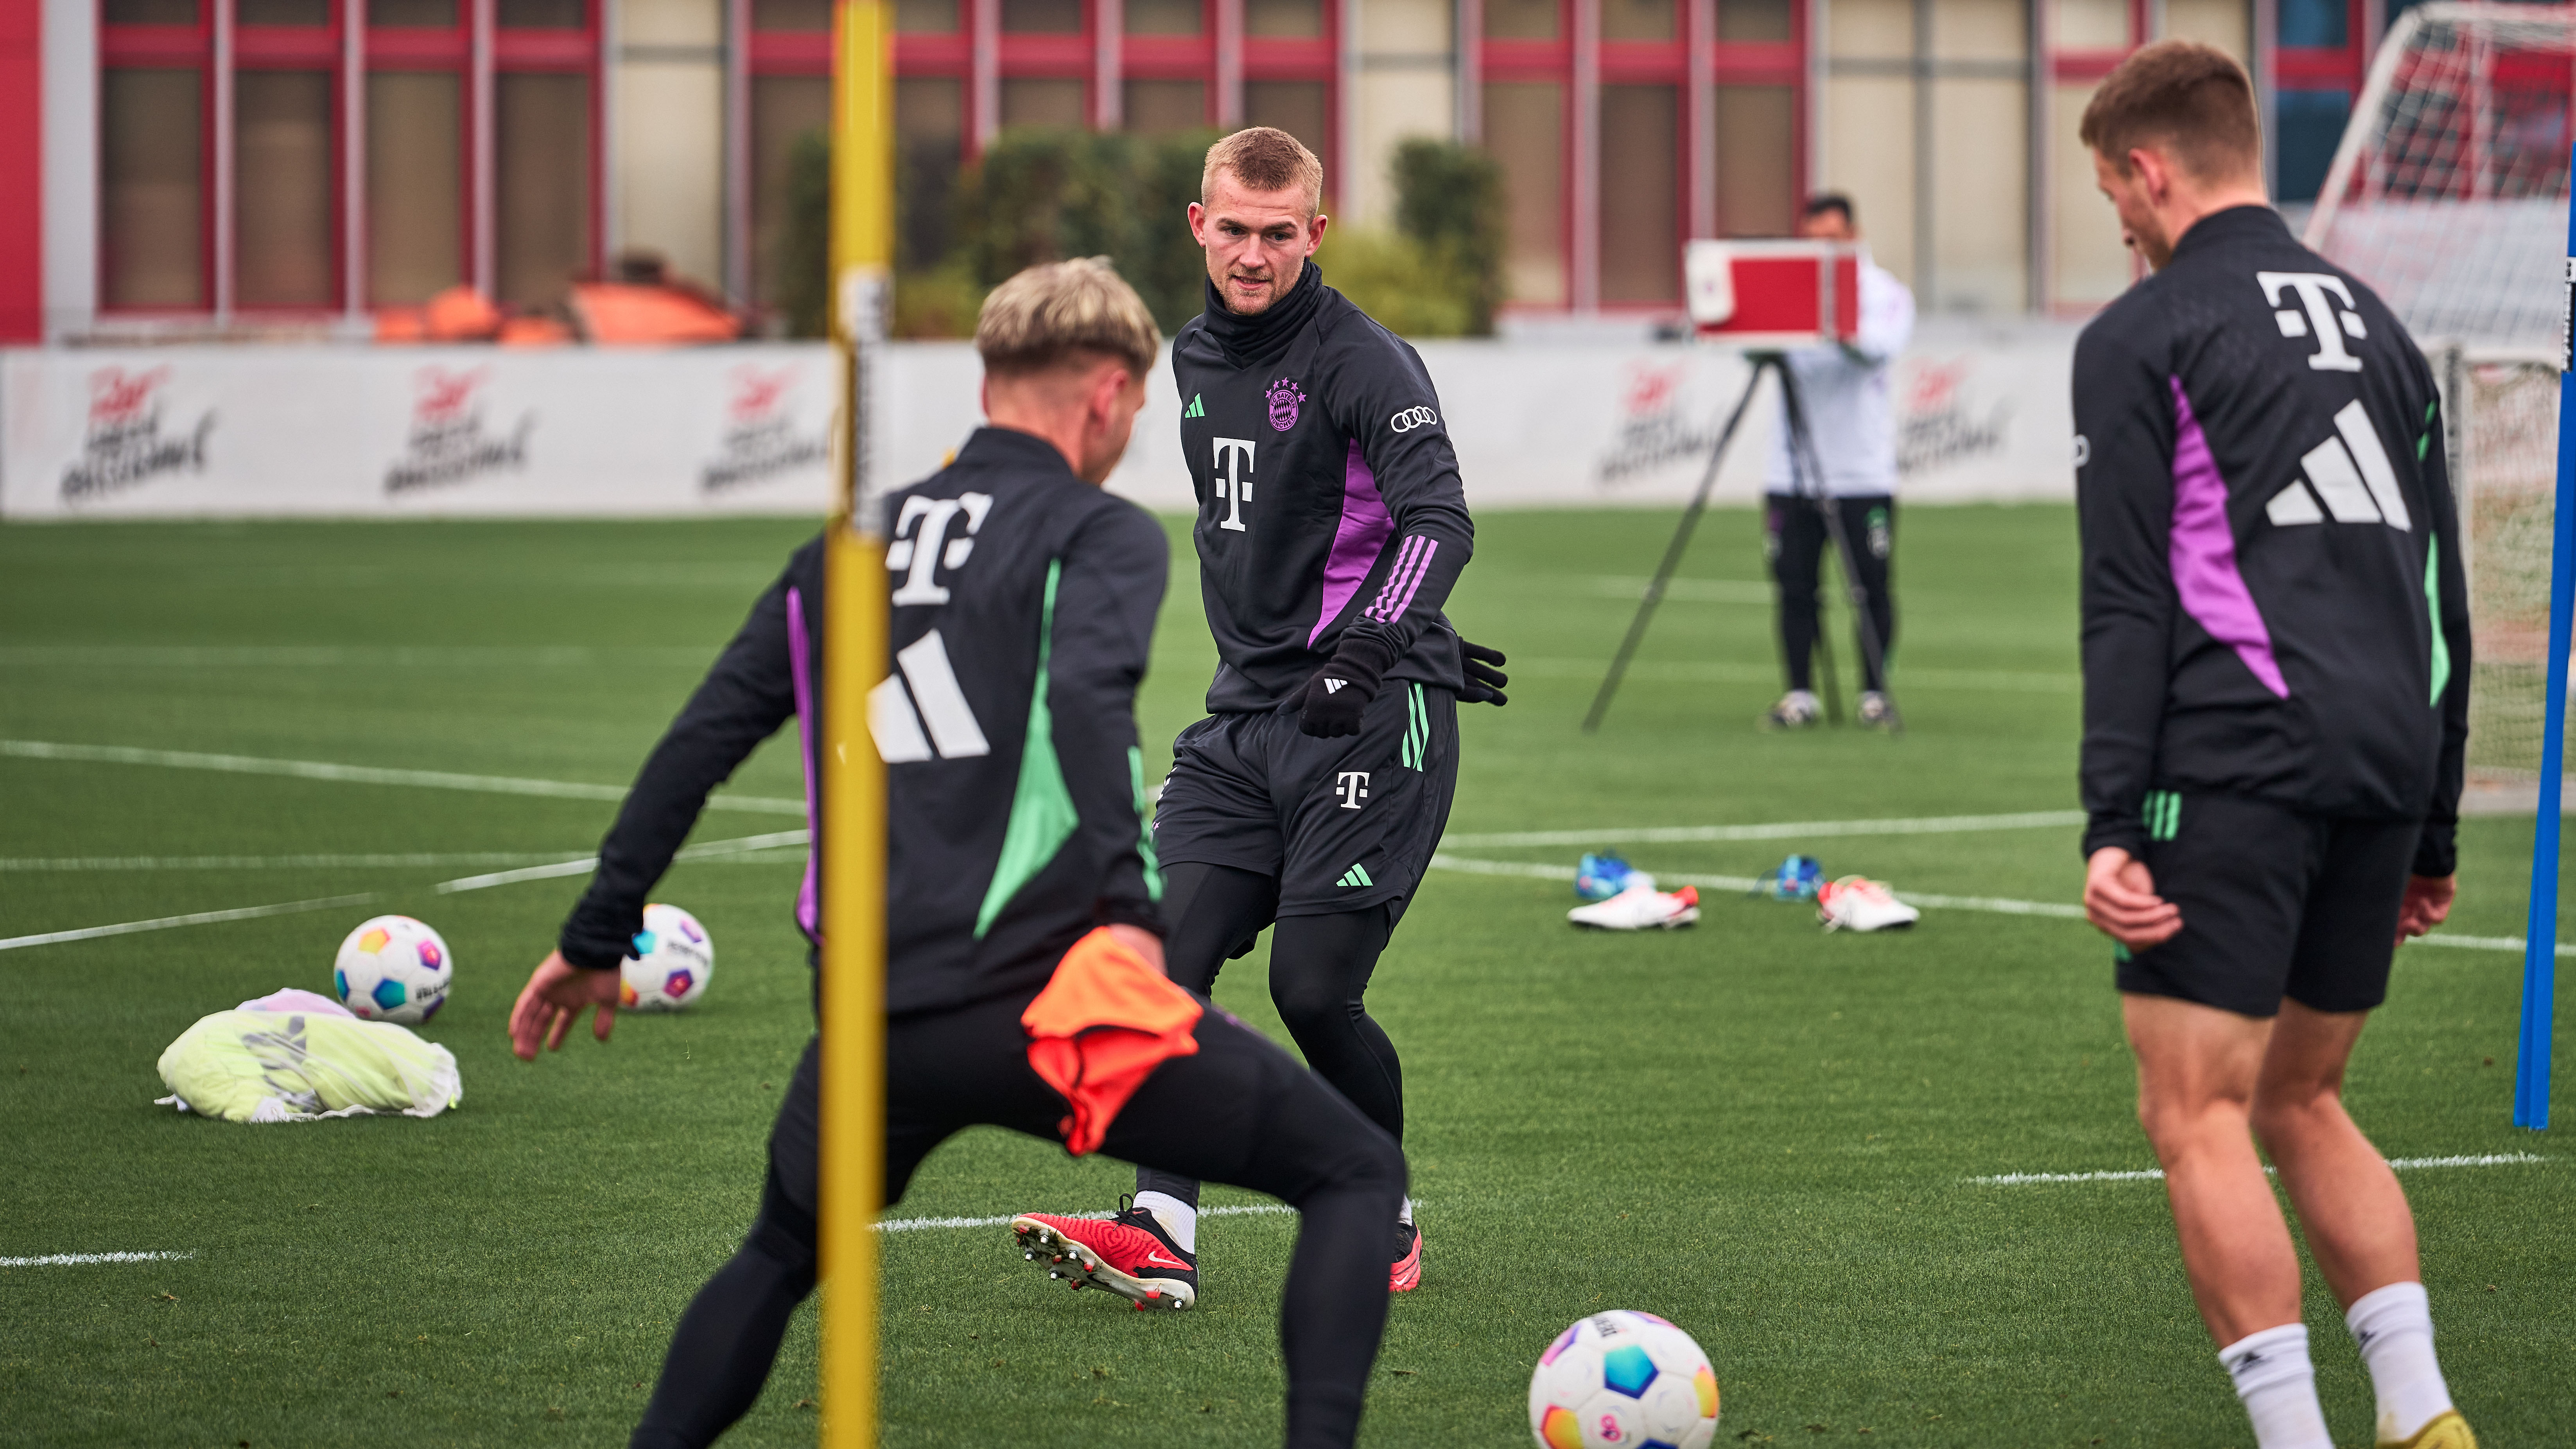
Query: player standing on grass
{"x": 1024, "y": 959}
{"x": 2276, "y": 676}
{"x": 1332, "y": 525}
{"x": 1851, "y": 419}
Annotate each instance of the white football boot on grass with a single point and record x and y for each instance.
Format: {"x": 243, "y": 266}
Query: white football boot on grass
{"x": 1857, "y": 903}
{"x": 1640, "y": 908}
{"x": 1796, "y": 710}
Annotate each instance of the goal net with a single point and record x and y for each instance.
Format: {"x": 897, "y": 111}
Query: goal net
{"x": 2449, "y": 196}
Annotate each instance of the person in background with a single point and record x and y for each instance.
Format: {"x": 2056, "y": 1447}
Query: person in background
{"x": 1844, "y": 389}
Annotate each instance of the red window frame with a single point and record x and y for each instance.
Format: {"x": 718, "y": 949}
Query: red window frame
{"x": 306, "y": 48}
{"x": 438, "y": 50}
{"x": 170, "y": 47}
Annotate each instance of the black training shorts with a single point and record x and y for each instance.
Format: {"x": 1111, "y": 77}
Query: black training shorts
{"x": 2274, "y": 903}
{"x": 1342, "y": 824}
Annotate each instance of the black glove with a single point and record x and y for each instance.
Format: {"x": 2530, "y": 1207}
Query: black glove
{"x": 1484, "y": 681}
{"x": 1339, "y": 693}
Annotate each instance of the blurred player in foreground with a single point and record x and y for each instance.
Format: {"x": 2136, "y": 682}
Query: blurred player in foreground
{"x": 1332, "y": 525}
{"x": 1024, "y": 947}
{"x": 1844, "y": 388}
{"x": 2276, "y": 677}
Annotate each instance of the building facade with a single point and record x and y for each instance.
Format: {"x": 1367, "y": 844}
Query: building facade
{"x": 184, "y": 165}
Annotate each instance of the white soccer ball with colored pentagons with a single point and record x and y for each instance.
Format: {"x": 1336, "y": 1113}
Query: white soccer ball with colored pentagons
{"x": 1623, "y": 1380}
{"x": 393, "y": 968}
{"x": 672, "y": 961}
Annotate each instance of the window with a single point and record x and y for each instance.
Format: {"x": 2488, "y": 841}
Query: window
{"x": 1164, "y": 17}
{"x": 1155, "y": 107}
{"x": 263, "y": 208}
{"x": 282, "y": 233}
{"x": 1525, "y": 131}
{"x": 1641, "y": 231}
{"x": 152, "y": 209}
{"x": 1756, "y": 149}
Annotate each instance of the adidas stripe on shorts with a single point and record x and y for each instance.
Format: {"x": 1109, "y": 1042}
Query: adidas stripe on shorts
{"x": 2275, "y": 903}
{"x": 1341, "y": 824}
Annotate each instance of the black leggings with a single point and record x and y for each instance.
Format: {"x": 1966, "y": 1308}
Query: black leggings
{"x": 1796, "y": 540}
{"x": 1239, "y": 1110}
{"x": 1319, "y": 973}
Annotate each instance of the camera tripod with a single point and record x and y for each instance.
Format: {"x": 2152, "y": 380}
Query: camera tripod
{"x": 1807, "y": 480}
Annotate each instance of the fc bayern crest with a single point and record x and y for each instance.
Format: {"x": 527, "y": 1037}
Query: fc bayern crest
{"x": 1284, "y": 401}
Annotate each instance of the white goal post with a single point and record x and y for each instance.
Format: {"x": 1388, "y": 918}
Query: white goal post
{"x": 2449, "y": 196}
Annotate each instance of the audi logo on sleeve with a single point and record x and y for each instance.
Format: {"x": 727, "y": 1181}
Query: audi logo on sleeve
{"x": 1411, "y": 418}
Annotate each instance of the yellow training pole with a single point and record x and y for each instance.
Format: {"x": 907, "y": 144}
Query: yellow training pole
{"x": 854, "y": 831}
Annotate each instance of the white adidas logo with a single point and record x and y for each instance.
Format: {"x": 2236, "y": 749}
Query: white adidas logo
{"x": 898, "y": 730}
{"x": 2350, "y": 471}
{"x": 1334, "y": 686}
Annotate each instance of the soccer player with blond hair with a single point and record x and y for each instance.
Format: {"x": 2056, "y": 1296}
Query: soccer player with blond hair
{"x": 1332, "y": 525}
{"x": 2276, "y": 675}
{"x": 1024, "y": 950}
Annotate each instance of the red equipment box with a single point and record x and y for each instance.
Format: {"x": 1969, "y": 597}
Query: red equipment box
{"x": 1770, "y": 295}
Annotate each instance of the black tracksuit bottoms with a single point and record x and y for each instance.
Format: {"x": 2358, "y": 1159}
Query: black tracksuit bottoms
{"x": 1795, "y": 539}
{"x": 1239, "y": 1111}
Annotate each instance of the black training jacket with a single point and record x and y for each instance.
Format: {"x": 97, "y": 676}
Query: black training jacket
{"x": 2273, "y": 601}
{"x": 1023, "y": 611}
{"x": 1329, "y": 498}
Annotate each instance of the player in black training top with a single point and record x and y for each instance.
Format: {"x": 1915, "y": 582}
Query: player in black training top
{"x": 2276, "y": 677}
{"x": 1024, "y": 953}
{"x": 1331, "y": 528}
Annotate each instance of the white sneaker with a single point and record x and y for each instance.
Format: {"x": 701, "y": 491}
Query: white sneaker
{"x": 1874, "y": 709}
{"x": 1857, "y": 903}
{"x": 1796, "y": 710}
{"x": 1639, "y": 908}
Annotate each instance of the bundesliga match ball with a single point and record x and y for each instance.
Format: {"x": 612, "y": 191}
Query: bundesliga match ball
{"x": 672, "y": 961}
{"x": 393, "y": 968}
{"x": 1623, "y": 1380}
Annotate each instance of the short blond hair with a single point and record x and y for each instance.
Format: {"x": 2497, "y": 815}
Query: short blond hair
{"x": 1049, "y": 314}
{"x": 1264, "y": 158}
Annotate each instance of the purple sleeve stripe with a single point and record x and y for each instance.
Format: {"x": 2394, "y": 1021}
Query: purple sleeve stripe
{"x": 2202, "y": 552}
{"x": 1411, "y": 566}
{"x": 809, "y": 903}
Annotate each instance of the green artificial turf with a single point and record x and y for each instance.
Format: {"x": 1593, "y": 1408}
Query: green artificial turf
{"x": 1762, "y": 1132}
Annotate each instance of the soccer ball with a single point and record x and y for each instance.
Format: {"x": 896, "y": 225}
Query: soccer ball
{"x": 672, "y": 961}
{"x": 393, "y": 968}
{"x": 1621, "y": 1379}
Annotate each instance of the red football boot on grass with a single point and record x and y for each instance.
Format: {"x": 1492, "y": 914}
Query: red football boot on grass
{"x": 1405, "y": 1273}
{"x": 1128, "y": 1254}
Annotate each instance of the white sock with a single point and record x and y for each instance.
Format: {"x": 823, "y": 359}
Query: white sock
{"x": 2394, "y": 1326}
{"x": 1177, "y": 1217}
{"x": 1405, "y": 1215}
{"x": 2279, "y": 1386}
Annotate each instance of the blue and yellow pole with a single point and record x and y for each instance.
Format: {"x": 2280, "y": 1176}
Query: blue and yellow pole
{"x": 853, "y": 846}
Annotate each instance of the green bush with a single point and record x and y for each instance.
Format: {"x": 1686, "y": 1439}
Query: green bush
{"x": 1449, "y": 199}
{"x": 1405, "y": 285}
{"x": 1043, "y": 194}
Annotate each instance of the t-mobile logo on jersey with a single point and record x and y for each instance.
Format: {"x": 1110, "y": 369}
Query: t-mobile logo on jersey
{"x": 919, "y": 549}
{"x": 1233, "y": 479}
{"x": 1352, "y": 786}
{"x": 2314, "y": 314}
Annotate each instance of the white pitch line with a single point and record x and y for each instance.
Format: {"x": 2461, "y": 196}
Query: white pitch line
{"x": 908, "y": 1225}
{"x": 712, "y": 851}
{"x": 65, "y": 1260}
{"x": 1785, "y": 830}
{"x": 276, "y": 862}
{"x": 2401, "y": 1164}
{"x": 200, "y": 918}
{"x": 363, "y": 774}
{"x": 584, "y": 865}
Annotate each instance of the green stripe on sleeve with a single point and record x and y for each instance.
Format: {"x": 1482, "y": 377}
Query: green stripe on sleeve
{"x": 2433, "y": 604}
{"x": 1042, "y": 813}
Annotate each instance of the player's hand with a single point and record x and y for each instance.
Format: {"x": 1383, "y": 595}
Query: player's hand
{"x": 2120, "y": 900}
{"x": 1484, "y": 680}
{"x": 2427, "y": 904}
{"x": 556, "y": 993}
{"x": 1141, "y": 941}
{"x": 1337, "y": 695}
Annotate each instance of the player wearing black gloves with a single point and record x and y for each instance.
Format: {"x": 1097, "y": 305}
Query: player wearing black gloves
{"x": 1023, "y": 952}
{"x": 1332, "y": 525}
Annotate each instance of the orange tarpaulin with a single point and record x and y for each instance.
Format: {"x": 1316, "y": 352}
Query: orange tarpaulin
{"x": 623, "y": 314}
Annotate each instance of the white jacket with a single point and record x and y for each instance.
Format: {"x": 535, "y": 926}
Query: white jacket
{"x": 1846, "y": 391}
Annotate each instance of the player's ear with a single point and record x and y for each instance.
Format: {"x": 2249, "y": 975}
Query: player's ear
{"x": 1315, "y": 232}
